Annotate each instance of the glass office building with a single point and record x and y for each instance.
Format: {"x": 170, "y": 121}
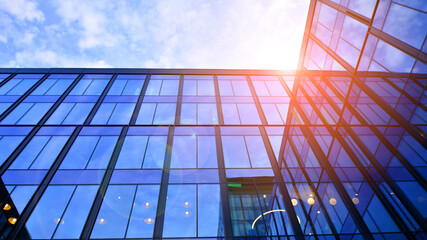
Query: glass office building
{"x": 334, "y": 150}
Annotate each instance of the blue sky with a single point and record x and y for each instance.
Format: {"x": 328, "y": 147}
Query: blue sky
{"x": 263, "y": 34}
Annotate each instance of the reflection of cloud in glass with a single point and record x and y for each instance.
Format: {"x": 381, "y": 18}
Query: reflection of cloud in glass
{"x": 406, "y": 24}
{"x": 392, "y": 59}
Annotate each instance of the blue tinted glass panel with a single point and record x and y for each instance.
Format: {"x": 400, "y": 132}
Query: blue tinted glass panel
{"x": 7, "y": 145}
{"x": 165, "y": 113}
{"x": 146, "y": 113}
{"x": 132, "y": 152}
{"x": 184, "y": 152}
{"x": 21, "y": 195}
{"x": 231, "y": 115}
{"x": 207, "y": 114}
{"x": 39, "y": 153}
{"x": 48, "y": 212}
{"x": 235, "y": 152}
{"x": 180, "y": 214}
{"x": 206, "y": 152}
{"x": 248, "y": 114}
{"x": 74, "y": 218}
{"x": 209, "y": 219}
{"x": 114, "y": 214}
{"x": 189, "y": 113}
{"x": 141, "y": 224}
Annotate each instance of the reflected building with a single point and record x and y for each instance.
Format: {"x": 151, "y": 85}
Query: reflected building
{"x": 334, "y": 150}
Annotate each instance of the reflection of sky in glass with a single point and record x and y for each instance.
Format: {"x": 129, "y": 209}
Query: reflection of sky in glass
{"x": 406, "y": 24}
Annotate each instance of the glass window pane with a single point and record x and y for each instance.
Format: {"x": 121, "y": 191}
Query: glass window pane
{"x": 141, "y": 224}
{"x": 113, "y": 216}
{"x": 188, "y": 113}
{"x": 80, "y": 152}
{"x": 241, "y": 88}
{"x": 235, "y": 152}
{"x": 47, "y": 214}
{"x": 248, "y": 114}
{"x": 154, "y": 87}
{"x": 132, "y": 153}
{"x": 209, "y": 221}
{"x": 205, "y": 88}
{"x": 122, "y": 113}
{"x": 165, "y": 113}
{"x": 146, "y": 113}
{"x": 78, "y": 113}
{"x": 257, "y": 152}
{"x": 184, "y": 152}
{"x": 190, "y": 88}
{"x": 206, "y": 114}
{"x": 231, "y": 116}
{"x": 180, "y": 213}
{"x": 8, "y": 145}
{"x": 74, "y": 218}
{"x": 206, "y": 152}
{"x": 155, "y": 154}
{"x": 133, "y": 87}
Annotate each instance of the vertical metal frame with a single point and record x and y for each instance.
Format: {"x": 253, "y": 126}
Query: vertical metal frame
{"x": 91, "y": 219}
{"x": 100, "y": 100}
{"x": 161, "y": 204}
{"x": 43, "y": 185}
{"x": 23, "y": 96}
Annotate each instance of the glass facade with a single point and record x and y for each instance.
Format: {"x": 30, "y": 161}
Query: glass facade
{"x": 334, "y": 150}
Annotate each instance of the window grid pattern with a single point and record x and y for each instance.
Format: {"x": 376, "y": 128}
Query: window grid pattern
{"x": 334, "y": 137}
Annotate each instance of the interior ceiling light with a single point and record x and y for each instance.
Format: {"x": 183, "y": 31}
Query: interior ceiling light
{"x": 271, "y": 211}
{"x": 7, "y": 207}
{"x": 294, "y": 201}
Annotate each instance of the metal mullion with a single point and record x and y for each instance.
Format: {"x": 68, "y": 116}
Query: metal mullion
{"x": 377, "y": 99}
{"x": 314, "y": 190}
{"x": 161, "y": 204}
{"x": 380, "y": 137}
{"x": 333, "y": 54}
{"x": 100, "y": 100}
{"x": 256, "y": 101}
{"x": 388, "y": 179}
{"x": 415, "y": 174}
{"x": 140, "y": 100}
{"x": 65, "y": 209}
{"x": 225, "y": 201}
{"x": 366, "y": 175}
{"x": 357, "y": 218}
{"x": 179, "y": 101}
{"x": 90, "y": 221}
{"x": 375, "y": 188}
{"x": 23, "y": 97}
{"x": 404, "y": 93}
{"x": 391, "y": 112}
{"x": 218, "y": 101}
{"x": 60, "y": 100}
{"x": 26, "y": 213}
{"x": 317, "y": 150}
{"x": 416, "y": 54}
{"x": 7, "y": 79}
{"x": 282, "y": 186}
{"x": 36, "y": 128}
{"x": 131, "y": 210}
{"x": 305, "y": 40}
{"x": 348, "y": 12}
{"x": 261, "y": 208}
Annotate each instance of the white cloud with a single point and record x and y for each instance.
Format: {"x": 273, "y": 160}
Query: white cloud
{"x": 48, "y": 58}
{"x": 92, "y": 19}
{"x": 22, "y": 10}
{"x": 163, "y": 34}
